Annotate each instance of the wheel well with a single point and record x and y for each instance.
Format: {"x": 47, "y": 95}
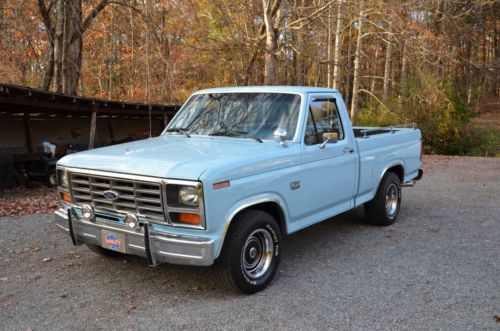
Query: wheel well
{"x": 273, "y": 209}
{"x": 399, "y": 171}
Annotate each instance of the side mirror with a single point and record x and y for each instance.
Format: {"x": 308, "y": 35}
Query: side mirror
{"x": 280, "y": 135}
{"x": 329, "y": 137}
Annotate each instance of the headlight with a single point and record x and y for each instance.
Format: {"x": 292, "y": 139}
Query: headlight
{"x": 185, "y": 205}
{"x": 62, "y": 178}
{"x": 188, "y": 195}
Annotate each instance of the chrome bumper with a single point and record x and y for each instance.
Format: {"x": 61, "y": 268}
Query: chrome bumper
{"x": 155, "y": 245}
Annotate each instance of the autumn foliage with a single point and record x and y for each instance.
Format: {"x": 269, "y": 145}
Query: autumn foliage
{"x": 162, "y": 50}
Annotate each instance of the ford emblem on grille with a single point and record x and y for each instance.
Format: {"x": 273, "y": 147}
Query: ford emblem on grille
{"x": 111, "y": 195}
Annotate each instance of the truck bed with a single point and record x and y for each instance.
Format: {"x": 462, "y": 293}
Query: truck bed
{"x": 379, "y": 148}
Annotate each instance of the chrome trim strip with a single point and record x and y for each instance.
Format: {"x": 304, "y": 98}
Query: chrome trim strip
{"x": 160, "y": 235}
{"x": 385, "y": 170}
{"x": 117, "y": 175}
{"x": 62, "y": 227}
{"x": 88, "y": 235}
{"x": 61, "y": 213}
{"x": 250, "y": 204}
{"x": 200, "y": 210}
{"x": 181, "y": 255}
{"x": 136, "y": 247}
{"x": 121, "y": 175}
{"x": 181, "y": 241}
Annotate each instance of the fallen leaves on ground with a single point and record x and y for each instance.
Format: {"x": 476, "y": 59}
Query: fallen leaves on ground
{"x": 20, "y": 201}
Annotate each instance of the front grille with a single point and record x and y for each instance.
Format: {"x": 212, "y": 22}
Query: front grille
{"x": 141, "y": 198}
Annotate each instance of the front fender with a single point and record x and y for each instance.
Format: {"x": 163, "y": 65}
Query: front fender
{"x": 247, "y": 203}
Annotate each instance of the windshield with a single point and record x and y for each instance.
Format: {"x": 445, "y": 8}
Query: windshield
{"x": 253, "y": 115}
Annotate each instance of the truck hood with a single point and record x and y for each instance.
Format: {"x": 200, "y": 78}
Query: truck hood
{"x": 180, "y": 157}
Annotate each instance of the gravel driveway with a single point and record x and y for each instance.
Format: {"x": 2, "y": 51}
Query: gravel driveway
{"x": 436, "y": 268}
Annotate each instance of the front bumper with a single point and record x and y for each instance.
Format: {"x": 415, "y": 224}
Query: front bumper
{"x": 156, "y": 245}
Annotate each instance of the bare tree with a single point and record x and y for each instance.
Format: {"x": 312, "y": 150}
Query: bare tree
{"x": 388, "y": 64}
{"x": 271, "y": 33}
{"x": 338, "y": 45}
{"x": 357, "y": 62}
{"x": 65, "y": 40}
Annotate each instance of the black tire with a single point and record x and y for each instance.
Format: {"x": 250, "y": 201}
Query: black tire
{"x": 51, "y": 179}
{"x": 384, "y": 208}
{"x": 242, "y": 264}
{"x": 103, "y": 251}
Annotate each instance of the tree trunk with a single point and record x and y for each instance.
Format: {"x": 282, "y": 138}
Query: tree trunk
{"x": 49, "y": 65}
{"x": 72, "y": 62}
{"x": 48, "y": 73}
{"x": 64, "y": 58}
{"x": 329, "y": 49}
{"x": 270, "y": 58}
{"x": 349, "y": 68}
{"x": 374, "y": 70}
{"x": 338, "y": 45}
{"x": 58, "y": 44}
{"x": 299, "y": 59}
{"x": 357, "y": 64}
{"x": 404, "y": 72}
{"x": 388, "y": 65}
{"x": 111, "y": 54}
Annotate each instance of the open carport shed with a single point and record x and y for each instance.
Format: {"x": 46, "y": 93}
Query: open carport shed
{"x": 30, "y": 116}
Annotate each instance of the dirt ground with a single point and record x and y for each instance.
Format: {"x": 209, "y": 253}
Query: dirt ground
{"x": 436, "y": 268}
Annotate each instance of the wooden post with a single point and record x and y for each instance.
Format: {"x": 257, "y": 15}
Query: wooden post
{"x": 28, "y": 135}
{"x": 111, "y": 131}
{"x": 93, "y": 120}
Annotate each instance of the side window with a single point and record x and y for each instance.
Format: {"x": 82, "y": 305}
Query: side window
{"x": 323, "y": 117}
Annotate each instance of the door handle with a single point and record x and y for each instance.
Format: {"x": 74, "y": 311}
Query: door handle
{"x": 348, "y": 150}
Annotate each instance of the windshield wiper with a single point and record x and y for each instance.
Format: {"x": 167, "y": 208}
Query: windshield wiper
{"x": 180, "y": 130}
{"x": 231, "y": 133}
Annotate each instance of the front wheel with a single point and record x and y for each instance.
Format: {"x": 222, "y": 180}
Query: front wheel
{"x": 251, "y": 253}
{"x": 384, "y": 208}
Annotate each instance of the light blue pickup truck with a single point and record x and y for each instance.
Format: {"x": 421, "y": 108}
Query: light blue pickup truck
{"x": 235, "y": 170}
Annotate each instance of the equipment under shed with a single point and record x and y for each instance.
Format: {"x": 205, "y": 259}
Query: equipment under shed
{"x": 29, "y": 117}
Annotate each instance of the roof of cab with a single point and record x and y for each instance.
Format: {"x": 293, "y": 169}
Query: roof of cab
{"x": 269, "y": 89}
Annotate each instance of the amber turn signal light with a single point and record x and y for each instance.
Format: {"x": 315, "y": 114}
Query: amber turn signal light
{"x": 220, "y": 185}
{"x": 66, "y": 197}
{"x": 187, "y": 218}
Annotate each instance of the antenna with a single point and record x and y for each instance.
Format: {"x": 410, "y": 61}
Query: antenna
{"x": 148, "y": 74}
{"x": 150, "y": 126}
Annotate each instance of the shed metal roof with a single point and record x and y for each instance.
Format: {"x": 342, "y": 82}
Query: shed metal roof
{"x": 15, "y": 99}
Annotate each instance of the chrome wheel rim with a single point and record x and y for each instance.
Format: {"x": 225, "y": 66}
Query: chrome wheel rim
{"x": 257, "y": 253}
{"x": 53, "y": 179}
{"x": 392, "y": 200}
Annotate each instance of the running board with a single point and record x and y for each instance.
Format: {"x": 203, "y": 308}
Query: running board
{"x": 409, "y": 184}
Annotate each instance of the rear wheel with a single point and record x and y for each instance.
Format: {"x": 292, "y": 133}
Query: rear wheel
{"x": 103, "y": 251}
{"x": 251, "y": 253}
{"x": 384, "y": 208}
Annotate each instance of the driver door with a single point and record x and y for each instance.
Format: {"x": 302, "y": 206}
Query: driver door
{"x": 328, "y": 168}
